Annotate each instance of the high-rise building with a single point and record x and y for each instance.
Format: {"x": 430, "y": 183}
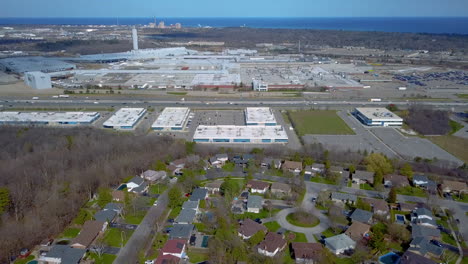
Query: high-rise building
{"x": 161, "y": 24}
{"x": 135, "y": 38}
{"x": 178, "y": 25}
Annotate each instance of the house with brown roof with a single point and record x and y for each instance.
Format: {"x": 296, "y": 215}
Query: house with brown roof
{"x": 396, "y": 181}
{"x": 379, "y": 206}
{"x": 361, "y": 177}
{"x": 278, "y": 188}
{"x": 306, "y": 252}
{"x": 454, "y": 187}
{"x": 174, "y": 247}
{"x": 118, "y": 196}
{"x": 258, "y": 186}
{"x": 248, "y": 228}
{"x": 90, "y": 231}
{"x": 407, "y": 207}
{"x": 167, "y": 259}
{"x": 214, "y": 187}
{"x": 292, "y": 166}
{"x": 272, "y": 244}
{"x": 357, "y": 231}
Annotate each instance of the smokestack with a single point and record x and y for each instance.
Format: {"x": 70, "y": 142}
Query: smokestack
{"x": 135, "y": 38}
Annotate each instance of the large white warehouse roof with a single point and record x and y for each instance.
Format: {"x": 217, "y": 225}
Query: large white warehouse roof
{"x": 240, "y": 134}
{"x": 378, "y": 114}
{"x": 259, "y": 116}
{"x": 172, "y": 117}
{"x": 48, "y": 117}
{"x": 125, "y": 118}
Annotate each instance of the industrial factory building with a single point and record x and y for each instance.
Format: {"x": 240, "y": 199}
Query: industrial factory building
{"x": 240, "y": 134}
{"x": 48, "y": 118}
{"x": 37, "y": 80}
{"x": 34, "y": 64}
{"x": 259, "y": 116}
{"x": 172, "y": 118}
{"x": 125, "y": 118}
{"x": 372, "y": 116}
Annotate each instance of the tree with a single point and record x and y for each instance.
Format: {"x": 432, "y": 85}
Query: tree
{"x": 363, "y": 205}
{"x": 398, "y": 232}
{"x": 392, "y": 195}
{"x": 327, "y": 164}
{"x": 104, "y": 197}
{"x": 5, "y": 199}
{"x": 190, "y": 147}
{"x": 230, "y": 188}
{"x": 257, "y": 238}
{"x": 175, "y": 197}
{"x": 268, "y": 206}
{"x": 352, "y": 169}
{"x": 377, "y": 162}
{"x": 378, "y": 180}
{"x": 407, "y": 171}
{"x": 308, "y": 161}
{"x": 159, "y": 166}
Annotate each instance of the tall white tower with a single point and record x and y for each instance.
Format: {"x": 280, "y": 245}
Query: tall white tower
{"x": 135, "y": 38}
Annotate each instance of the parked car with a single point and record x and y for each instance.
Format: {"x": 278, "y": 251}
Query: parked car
{"x": 437, "y": 243}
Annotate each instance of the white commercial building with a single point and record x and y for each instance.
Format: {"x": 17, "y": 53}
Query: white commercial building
{"x": 38, "y": 80}
{"x": 259, "y": 86}
{"x": 172, "y": 118}
{"x": 372, "y": 116}
{"x": 240, "y": 134}
{"x": 125, "y": 118}
{"x": 259, "y": 116}
{"x": 48, "y": 118}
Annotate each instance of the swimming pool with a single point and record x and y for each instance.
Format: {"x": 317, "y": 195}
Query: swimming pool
{"x": 389, "y": 258}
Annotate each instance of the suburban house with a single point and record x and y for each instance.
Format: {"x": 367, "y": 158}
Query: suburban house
{"x": 357, "y": 231}
{"x": 361, "y": 216}
{"x": 167, "y": 259}
{"x": 174, "y": 247}
{"x": 118, "y": 196}
{"x": 214, "y": 187}
{"x": 105, "y": 215}
{"x": 137, "y": 185}
{"x": 238, "y": 207}
{"x": 424, "y": 231}
{"x": 410, "y": 257}
{"x": 361, "y": 177}
{"x": 379, "y": 206}
{"x": 91, "y": 229}
{"x": 186, "y": 216}
{"x": 62, "y": 254}
{"x": 424, "y": 247}
{"x": 339, "y": 244}
{"x": 336, "y": 169}
{"x": 317, "y": 168}
{"x": 396, "y": 181}
{"x": 343, "y": 197}
{"x": 194, "y": 205}
{"x": 199, "y": 194}
{"x": 176, "y": 166}
{"x": 258, "y": 186}
{"x": 269, "y": 162}
{"x": 249, "y": 228}
{"x": 272, "y": 244}
{"x": 151, "y": 175}
{"x": 254, "y": 204}
{"x": 454, "y": 187}
{"x": 306, "y": 252}
{"x": 407, "y": 207}
{"x": 219, "y": 160}
{"x": 420, "y": 181}
{"x": 181, "y": 231}
{"x": 116, "y": 207}
{"x": 280, "y": 189}
{"x": 292, "y": 166}
{"x": 424, "y": 217}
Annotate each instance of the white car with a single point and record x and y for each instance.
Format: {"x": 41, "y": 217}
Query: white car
{"x": 155, "y": 203}
{"x": 149, "y": 262}
{"x": 96, "y": 102}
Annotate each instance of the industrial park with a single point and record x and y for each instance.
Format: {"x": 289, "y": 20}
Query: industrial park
{"x": 200, "y": 145}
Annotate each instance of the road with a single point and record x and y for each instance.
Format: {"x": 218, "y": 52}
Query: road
{"x": 129, "y": 253}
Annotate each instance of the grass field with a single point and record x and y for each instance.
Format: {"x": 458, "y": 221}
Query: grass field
{"x": 272, "y": 226}
{"x": 196, "y": 257}
{"x": 113, "y": 236}
{"x": 104, "y": 259}
{"x": 70, "y": 232}
{"x": 177, "y": 93}
{"x": 462, "y": 96}
{"x": 291, "y": 218}
{"x": 412, "y": 191}
{"x": 319, "y": 122}
{"x": 453, "y": 145}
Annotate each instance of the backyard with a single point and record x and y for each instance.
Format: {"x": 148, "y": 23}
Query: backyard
{"x": 325, "y": 122}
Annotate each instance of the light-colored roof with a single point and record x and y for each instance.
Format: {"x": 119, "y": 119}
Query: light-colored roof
{"x": 454, "y": 185}
{"x": 280, "y": 187}
{"x": 288, "y": 164}
{"x": 29, "y": 64}
{"x": 172, "y": 117}
{"x": 216, "y": 79}
{"x": 125, "y": 117}
{"x": 41, "y": 117}
{"x": 339, "y": 242}
{"x": 254, "y": 201}
{"x": 240, "y": 132}
{"x": 378, "y": 114}
{"x": 259, "y": 115}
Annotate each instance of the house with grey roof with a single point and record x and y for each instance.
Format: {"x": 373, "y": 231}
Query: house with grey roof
{"x": 151, "y": 175}
{"x": 361, "y": 177}
{"x": 423, "y": 216}
{"x": 63, "y": 254}
{"x": 424, "y": 247}
{"x": 181, "y": 231}
{"x": 361, "y": 216}
{"x": 137, "y": 185}
{"x": 420, "y": 180}
{"x": 105, "y": 215}
{"x": 339, "y": 244}
{"x": 269, "y": 162}
{"x": 186, "y": 216}
{"x": 254, "y": 204}
{"x": 410, "y": 257}
{"x": 199, "y": 194}
{"x": 116, "y": 207}
{"x": 424, "y": 231}
{"x": 191, "y": 205}
{"x": 343, "y": 197}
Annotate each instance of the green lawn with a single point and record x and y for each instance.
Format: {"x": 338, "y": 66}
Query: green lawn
{"x": 453, "y": 145}
{"x": 113, "y": 236}
{"x": 25, "y": 260}
{"x": 365, "y": 186}
{"x": 300, "y": 237}
{"x": 272, "y": 226}
{"x": 328, "y": 233}
{"x": 462, "y": 96}
{"x": 320, "y": 179}
{"x": 175, "y": 212}
{"x": 325, "y": 122}
{"x": 455, "y": 126}
{"x": 70, "y": 232}
{"x": 177, "y": 93}
{"x": 412, "y": 191}
{"x": 196, "y": 257}
{"x": 104, "y": 259}
{"x": 448, "y": 238}
{"x": 157, "y": 188}
{"x": 135, "y": 219}
{"x": 463, "y": 198}
{"x": 263, "y": 214}
{"x": 291, "y": 219}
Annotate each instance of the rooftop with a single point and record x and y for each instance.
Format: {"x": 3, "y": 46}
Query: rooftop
{"x": 174, "y": 246}
{"x": 339, "y": 242}
{"x": 361, "y": 216}
{"x": 125, "y": 117}
{"x": 259, "y": 115}
{"x": 30, "y": 64}
{"x": 199, "y": 194}
{"x": 272, "y": 242}
{"x": 172, "y": 117}
{"x": 216, "y": 79}
{"x": 181, "y": 231}
{"x": 357, "y": 230}
{"x": 259, "y": 185}
{"x": 66, "y": 254}
{"x": 378, "y": 113}
{"x": 239, "y": 132}
{"x": 186, "y": 215}
{"x": 304, "y": 250}
{"x": 41, "y": 117}
{"x": 254, "y": 201}
{"x": 249, "y": 227}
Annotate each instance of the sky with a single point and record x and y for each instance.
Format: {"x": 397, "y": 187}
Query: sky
{"x": 233, "y": 8}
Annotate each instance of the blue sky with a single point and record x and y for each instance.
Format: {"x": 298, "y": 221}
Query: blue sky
{"x": 232, "y": 8}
